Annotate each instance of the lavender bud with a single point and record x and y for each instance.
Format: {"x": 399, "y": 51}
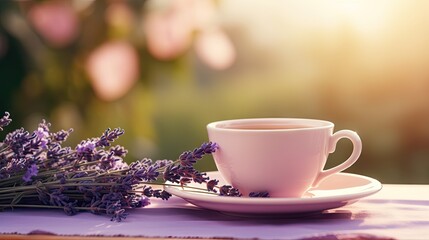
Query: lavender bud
{"x": 70, "y": 208}
{"x": 60, "y": 177}
{"x": 109, "y": 136}
{"x": 57, "y": 198}
{"x": 85, "y": 149}
{"x": 5, "y": 120}
{"x": 19, "y": 141}
{"x": 211, "y": 185}
{"x": 119, "y": 151}
{"x": 209, "y": 147}
{"x": 188, "y": 158}
{"x": 227, "y": 190}
{"x": 234, "y": 192}
{"x": 137, "y": 201}
{"x": 184, "y": 181}
{"x": 31, "y": 172}
{"x": 161, "y": 194}
{"x": 263, "y": 194}
{"x": 61, "y": 136}
{"x": 147, "y": 191}
{"x": 199, "y": 177}
{"x": 119, "y": 214}
{"x": 42, "y": 136}
{"x": 144, "y": 201}
{"x": 44, "y": 125}
{"x": 171, "y": 173}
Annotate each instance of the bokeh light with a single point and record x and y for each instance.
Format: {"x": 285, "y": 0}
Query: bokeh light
{"x": 164, "y": 69}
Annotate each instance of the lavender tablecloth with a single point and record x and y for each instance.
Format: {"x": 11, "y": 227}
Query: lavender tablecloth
{"x": 397, "y": 211}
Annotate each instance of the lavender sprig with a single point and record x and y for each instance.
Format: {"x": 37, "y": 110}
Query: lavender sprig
{"x": 36, "y": 170}
{"x": 5, "y": 120}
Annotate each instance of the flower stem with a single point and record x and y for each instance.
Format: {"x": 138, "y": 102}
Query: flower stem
{"x": 39, "y": 206}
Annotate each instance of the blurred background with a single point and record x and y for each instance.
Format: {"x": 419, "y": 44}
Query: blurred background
{"x": 163, "y": 69}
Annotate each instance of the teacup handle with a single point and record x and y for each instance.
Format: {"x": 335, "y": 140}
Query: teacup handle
{"x": 357, "y": 149}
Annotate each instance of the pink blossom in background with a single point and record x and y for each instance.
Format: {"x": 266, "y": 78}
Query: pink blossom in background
{"x": 113, "y": 69}
{"x": 55, "y": 21}
{"x": 168, "y": 33}
{"x": 203, "y": 14}
{"x": 215, "y": 49}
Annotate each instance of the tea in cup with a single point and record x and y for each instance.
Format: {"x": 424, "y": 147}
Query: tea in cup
{"x": 284, "y": 156}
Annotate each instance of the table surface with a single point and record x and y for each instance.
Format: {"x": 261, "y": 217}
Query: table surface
{"x": 397, "y": 211}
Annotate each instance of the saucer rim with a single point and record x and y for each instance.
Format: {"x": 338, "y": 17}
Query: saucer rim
{"x": 373, "y": 186}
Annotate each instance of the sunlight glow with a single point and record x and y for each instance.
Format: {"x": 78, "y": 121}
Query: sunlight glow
{"x": 367, "y": 17}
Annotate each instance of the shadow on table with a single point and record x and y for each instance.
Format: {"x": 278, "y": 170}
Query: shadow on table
{"x": 191, "y": 213}
{"x": 179, "y": 209}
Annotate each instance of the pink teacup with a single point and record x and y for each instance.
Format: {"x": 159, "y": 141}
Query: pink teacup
{"x": 284, "y": 156}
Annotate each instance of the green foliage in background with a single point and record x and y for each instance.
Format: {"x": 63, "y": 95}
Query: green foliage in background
{"x": 372, "y": 82}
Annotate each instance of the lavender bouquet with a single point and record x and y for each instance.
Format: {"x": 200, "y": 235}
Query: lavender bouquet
{"x": 37, "y": 171}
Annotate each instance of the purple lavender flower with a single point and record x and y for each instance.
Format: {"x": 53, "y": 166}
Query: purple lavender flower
{"x": 234, "y": 192}
{"x": 151, "y": 173}
{"x": 119, "y": 151}
{"x": 189, "y": 172}
{"x": 111, "y": 204}
{"x": 164, "y": 195}
{"x": 5, "y": 120}
{"x": 90, "y": 176}
{"x": 119, "y": 164}
{"x": 61, "y": 135}
{"x": 41, "y": 139}
{"x": 107, "y": 160}
{"x": 70, "y": 208}
{"x": 144, "y": 170}
{"x": 44, "y": 125}
{"x": 211, "y": 185}
{"x": 263, "y": 194}
{"x": 41, "y": 133}
{"x": 163, "y": 163}
{"x": 117, "y": 212}
{"x": 85, "y": 146}
{"x": 111, "y": 159}
{"x": 3, "y": 165}
{"x": 144, "y": 201}
{"x": 184, "y": 180}
{"x": 57, "y": 156}
{"x": 19, "y": 142}
{"x": 199, "y": 177}
{"x": 137, "y": 201}
{"x": 57, "y": 198}
{"x": 86, "y": 149}
{"x": 185, "y": 171}
{"x": 227, "y": 190}
{"x": 126, "y": 183}
{"x": 81, "y": 174}
{"x": 31, "y": 172}
{"x": 209, "y": 147}
{"x": 61, "y": 176}
{"x": 189, "y": 158}
{"x": 171, "y": 173}
{"x": 109, "y": 136}
{"x": 147, "y": 191}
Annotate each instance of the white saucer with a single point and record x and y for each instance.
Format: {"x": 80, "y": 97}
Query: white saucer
{"x": 336, "y": 191}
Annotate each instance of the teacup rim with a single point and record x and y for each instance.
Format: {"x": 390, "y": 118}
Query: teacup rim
{"x": 322, "y": 124}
